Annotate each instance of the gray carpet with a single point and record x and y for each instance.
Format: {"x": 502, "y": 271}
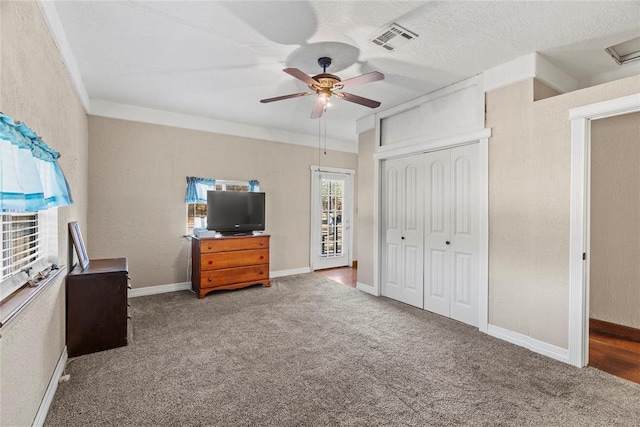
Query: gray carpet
{"x": 309, "y": 351}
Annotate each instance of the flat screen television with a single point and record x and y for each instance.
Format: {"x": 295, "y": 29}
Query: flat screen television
{"x": 235, "y": 212}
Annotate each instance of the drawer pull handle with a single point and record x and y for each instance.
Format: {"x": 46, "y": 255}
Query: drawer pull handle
{"x": 209, "y": 279}
{"x": 262, "y": 272}
{"x": 209, "y": 247}
{"x": 210, "y": 262}
{"x": 261, "y": 256}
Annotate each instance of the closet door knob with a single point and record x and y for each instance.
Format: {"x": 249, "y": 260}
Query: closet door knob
{"x": 447, "y": 242}
{"x": 402, "y": 237}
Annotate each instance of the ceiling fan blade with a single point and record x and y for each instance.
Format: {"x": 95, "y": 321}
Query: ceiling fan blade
{"x": 300, "y": 76}
{"x": 318, "y": 108}
{"x": 280, "y": 98}
{"x": 358, "y": 99}
{"x": 373, "y": 76}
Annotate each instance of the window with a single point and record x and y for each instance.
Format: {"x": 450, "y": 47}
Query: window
{"x": 23, "y": 246}
{"x": 197, "y": 211}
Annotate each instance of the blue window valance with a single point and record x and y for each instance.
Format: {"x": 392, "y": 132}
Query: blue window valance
{"x": 30, "y": 177}
{"x": 197, "y": 189}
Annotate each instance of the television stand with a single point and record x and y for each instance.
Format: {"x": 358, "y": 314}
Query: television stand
{"x": 229, "y": 262}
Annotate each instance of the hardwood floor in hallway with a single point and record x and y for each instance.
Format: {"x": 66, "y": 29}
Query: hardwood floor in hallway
{"x": 616, "y": 354}
{"x": 345, "y": 275}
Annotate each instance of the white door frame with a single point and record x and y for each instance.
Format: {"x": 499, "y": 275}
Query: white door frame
{"x": 579, "y": 236}
{"x": 480, "y": 136}
{"x": 314, "y": 243}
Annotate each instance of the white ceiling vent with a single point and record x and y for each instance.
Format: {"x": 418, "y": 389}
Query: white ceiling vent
{"x": 625, "y": 52}
{"x": 393, "y": 37}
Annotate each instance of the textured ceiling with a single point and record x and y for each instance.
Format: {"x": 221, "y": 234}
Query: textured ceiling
{"x": 218, "y": 59}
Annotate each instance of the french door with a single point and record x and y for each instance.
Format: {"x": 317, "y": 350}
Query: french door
{"x": 331, "y": 204}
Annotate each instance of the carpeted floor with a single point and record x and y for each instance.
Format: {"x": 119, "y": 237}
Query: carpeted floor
{"x": 312, "y": 352}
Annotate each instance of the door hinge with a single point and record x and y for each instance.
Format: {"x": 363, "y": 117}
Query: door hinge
{"x": 584, "y": 256}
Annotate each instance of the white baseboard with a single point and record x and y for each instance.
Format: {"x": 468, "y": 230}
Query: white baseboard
{"x": 43, "y": 410}
{"x": 185, "y": 286}
{"x": 366, "y": 288}
{"x": 159, "y": 289}
{"x": 293, "y": 271}
{"x": 527, "y": 342}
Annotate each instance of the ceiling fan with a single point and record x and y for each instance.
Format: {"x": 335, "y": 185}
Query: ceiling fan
{"x": 326, "y": 85}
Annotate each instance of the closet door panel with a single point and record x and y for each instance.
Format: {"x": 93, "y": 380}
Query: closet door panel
{"x": 392, "y": 191}
{"x": 412, "y": 239}
{"x": 403, "y": 204}
{"x": 437, "y": 225}
{"x": 464, "y": 234}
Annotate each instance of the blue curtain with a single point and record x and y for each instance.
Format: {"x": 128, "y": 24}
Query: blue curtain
{"x": 197, "y": 189}
{"x": 30, "y": 177}
{"x": 254, "y": 186}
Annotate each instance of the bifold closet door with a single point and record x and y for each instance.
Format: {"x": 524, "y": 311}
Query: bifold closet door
{"x": 403, "y": 225}
{"x": 451, "y": 243}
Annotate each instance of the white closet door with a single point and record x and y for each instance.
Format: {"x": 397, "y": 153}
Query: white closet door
{"x": 451, "y": 233}
{"x": 403, "y": 192}
{"x": 437, "y": 232}
{"x": 465, "y": 224}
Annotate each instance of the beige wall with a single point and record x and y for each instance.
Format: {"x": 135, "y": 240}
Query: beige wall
{"x": 35, "y": 88}
{"x": 529, "y": 164}
{"x": 511, "y": 275}
{"x": 137, "y": 186}
{"x": 365, "y": 211}
{"x": 615, "y": 220}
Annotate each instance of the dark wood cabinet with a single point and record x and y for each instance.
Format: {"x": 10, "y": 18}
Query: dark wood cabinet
{"x": 229, "y": 263}
{"x": 96, "y": 309}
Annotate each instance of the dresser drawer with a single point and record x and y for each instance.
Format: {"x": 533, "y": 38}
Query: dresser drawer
{"x": 215, "y": 261}
{"x": 233, "y": 244}
{"x": 227, "y": 276}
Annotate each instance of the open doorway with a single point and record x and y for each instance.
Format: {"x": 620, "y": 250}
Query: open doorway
{"x": 614, "y": 246}
{"x": 582, "y": 119}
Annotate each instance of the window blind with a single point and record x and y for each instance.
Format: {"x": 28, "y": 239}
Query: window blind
{"x": 23, "y": 244}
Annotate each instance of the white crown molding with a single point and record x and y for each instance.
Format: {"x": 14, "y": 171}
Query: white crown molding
{"x": 366, "y": 123}
{"x": 510, "y": 72}
{"x": 553, "y": 76}
{"x": 529, "y": 66}
{"x": 52, "y": 19}
{"x": 185, "y": 121}
{"x": 623, "y": 72}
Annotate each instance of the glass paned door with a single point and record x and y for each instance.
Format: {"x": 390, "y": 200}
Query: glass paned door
{"x": 331, "y": 220}
{"x": 332, "y": 226}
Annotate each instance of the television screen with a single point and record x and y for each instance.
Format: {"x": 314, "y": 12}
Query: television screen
{"x": 235, "y": 212}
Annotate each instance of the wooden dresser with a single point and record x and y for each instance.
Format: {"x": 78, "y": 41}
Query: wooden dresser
{"x": 229, "y": 263}
{"x": 96, "y": 306}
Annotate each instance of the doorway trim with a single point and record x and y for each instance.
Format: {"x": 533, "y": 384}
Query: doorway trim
{"x": 481, "y": 137}
{"x": 312, "y": 215}
{"x": 579, "y": 235}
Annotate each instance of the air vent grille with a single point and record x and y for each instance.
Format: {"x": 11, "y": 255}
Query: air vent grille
{"x": 393, "y": 37}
